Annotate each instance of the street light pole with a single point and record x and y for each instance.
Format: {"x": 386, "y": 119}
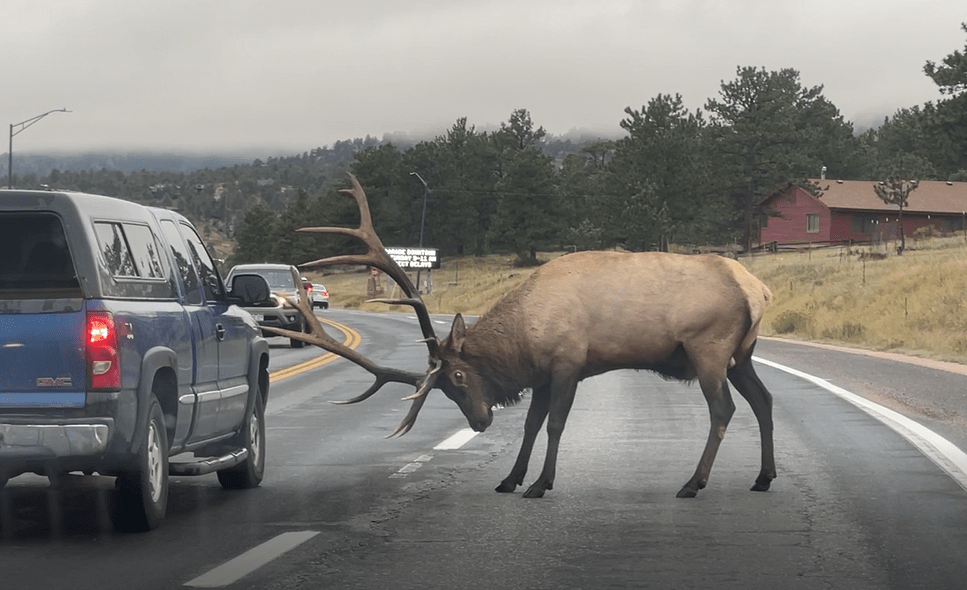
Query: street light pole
{"x": 23, "y": 125}
{"x": 426, "y": 191}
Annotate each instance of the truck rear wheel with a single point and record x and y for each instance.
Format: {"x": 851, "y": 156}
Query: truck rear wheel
{"x": 141, "y": 497}
{"x": 248, "y": 474}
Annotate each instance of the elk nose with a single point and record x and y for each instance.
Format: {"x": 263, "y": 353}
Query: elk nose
{"x": 481, "y": 423}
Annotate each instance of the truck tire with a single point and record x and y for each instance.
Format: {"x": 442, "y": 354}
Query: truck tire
{"x": 298, "y": 343}
{"x": 248, "y": 474}
{"x": 141, "y": 497}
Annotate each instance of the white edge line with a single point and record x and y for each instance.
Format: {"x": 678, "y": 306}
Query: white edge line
{"x": 456, "y": 441}
{"x": 941, "y": 451}
{"x": 246, "y": 563}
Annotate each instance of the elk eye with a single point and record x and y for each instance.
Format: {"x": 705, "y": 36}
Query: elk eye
{"x": 458, "y": 378}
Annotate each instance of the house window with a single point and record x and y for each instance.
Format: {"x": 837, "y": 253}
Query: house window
{"x": 862, "y": 223}
{"x": 952, "y": 224}
{"x": 812, "y": 223}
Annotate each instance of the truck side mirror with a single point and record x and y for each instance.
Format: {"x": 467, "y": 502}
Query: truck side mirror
{"x": 249, "y": 290}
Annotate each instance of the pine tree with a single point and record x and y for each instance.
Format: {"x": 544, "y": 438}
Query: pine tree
{"x": 253, "y": 239}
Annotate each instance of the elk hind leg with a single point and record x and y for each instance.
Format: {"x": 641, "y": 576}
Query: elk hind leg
{"x": 745, "y": 380}
{"x": 536, "y": 414}
{"x": 720, "y": 408}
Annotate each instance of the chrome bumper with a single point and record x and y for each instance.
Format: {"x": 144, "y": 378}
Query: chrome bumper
{"x": 53, "y": 440}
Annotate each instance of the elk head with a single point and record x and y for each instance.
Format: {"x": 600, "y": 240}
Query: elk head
{"x": 446, "y": 370}
{"x": 462, "y": 381}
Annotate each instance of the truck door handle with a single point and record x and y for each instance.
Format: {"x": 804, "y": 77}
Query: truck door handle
{"x": 220, "y": 331}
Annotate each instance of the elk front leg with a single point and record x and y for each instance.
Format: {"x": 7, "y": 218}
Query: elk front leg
{"x": 744, "y": 378}
{"x": 561, "y": 397}
{"x": 536, "y": 414}
{"x": 720, "y": 409}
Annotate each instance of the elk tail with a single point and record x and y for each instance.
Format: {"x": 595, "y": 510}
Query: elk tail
{"x": 766, "y": 293}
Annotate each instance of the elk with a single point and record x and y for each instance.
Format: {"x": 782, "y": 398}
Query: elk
{"x": 582, "y": 314}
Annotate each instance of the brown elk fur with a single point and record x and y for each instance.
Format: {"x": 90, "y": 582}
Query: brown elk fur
{"x": 600, "y": 311}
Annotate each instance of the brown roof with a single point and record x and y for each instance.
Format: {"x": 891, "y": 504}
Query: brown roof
{"x": 931, "y": 196}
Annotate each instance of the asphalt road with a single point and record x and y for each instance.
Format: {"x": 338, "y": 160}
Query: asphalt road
{"x": 856, "y": 505}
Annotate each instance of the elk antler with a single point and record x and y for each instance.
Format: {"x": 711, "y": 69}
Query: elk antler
{"x": 317, "y": 335}
{"x": 377, "y": 256}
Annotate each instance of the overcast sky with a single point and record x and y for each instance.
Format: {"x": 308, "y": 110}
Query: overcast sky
{"x": 280, "y": 77}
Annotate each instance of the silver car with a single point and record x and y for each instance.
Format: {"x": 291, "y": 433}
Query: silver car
{"x": 320, "y": 296}
{"x": 276, "y": 313}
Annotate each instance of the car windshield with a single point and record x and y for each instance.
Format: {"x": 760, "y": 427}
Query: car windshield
{"x": 278, "y": 279}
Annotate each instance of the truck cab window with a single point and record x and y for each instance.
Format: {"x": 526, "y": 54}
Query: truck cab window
{"x": 182, "y": 258}
{"x": 210, "y": 280}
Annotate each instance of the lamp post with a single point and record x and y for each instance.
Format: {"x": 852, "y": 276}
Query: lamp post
{"x": 426, "y": 191}
{"x": 23, "y": 125}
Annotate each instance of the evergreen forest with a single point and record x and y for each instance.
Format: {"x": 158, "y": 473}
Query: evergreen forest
{"x": 695, "y": 177}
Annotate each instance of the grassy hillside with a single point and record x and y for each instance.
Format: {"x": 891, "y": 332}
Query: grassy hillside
{"x": 866, "y": 297}
{"x": 871, "y": 298}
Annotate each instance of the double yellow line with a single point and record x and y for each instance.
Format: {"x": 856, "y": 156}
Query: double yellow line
{"x": 352, "y": 340}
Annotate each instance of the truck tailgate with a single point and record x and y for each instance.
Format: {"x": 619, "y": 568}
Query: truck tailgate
{"x": 42, "y": 360}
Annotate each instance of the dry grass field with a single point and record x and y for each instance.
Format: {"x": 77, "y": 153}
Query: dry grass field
{"x": 863, "y": 297}
{"x": 868, "y": 297}
{"x": 466, "y": 285}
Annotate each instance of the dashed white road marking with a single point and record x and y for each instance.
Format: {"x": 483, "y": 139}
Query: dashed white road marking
{"x": 411, "y": 467}
{"x": 456, "y": 441}
{"x": 941, "y": 451}
{"x": 452, "y": 443}
{"x": 246, "y": 563}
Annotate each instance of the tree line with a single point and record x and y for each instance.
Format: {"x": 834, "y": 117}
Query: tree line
{"x": 692, "y": 176}
{"x": 689, "y": 176}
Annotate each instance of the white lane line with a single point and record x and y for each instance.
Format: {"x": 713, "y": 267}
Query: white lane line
{"x": 456, "y": 441}
{"x": 452, "y": 443}
{"x": 411, "y": 467}
{"x": 938, "y": 449}
{"x": 251, "y": 560}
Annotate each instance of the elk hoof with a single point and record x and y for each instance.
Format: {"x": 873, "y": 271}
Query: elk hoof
{"x": 761, "y": 485}
{"x": 505, "y": 487}
{"x": 535, "y": 491}
{"x": 691, "y": 488}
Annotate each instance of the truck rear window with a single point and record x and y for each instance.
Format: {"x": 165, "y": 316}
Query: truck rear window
{"x": 35, "y": 260}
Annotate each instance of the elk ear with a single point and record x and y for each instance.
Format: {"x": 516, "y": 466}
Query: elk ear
{"x": 457, "y": 333}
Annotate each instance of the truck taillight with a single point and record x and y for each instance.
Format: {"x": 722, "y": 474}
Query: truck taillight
{"x": 101, "y": 343}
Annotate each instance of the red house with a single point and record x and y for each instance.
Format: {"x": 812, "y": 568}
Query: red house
{"x": 850, "y": 210}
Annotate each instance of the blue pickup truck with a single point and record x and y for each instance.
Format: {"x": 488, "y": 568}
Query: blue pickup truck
{"x": 121, "y": 348}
